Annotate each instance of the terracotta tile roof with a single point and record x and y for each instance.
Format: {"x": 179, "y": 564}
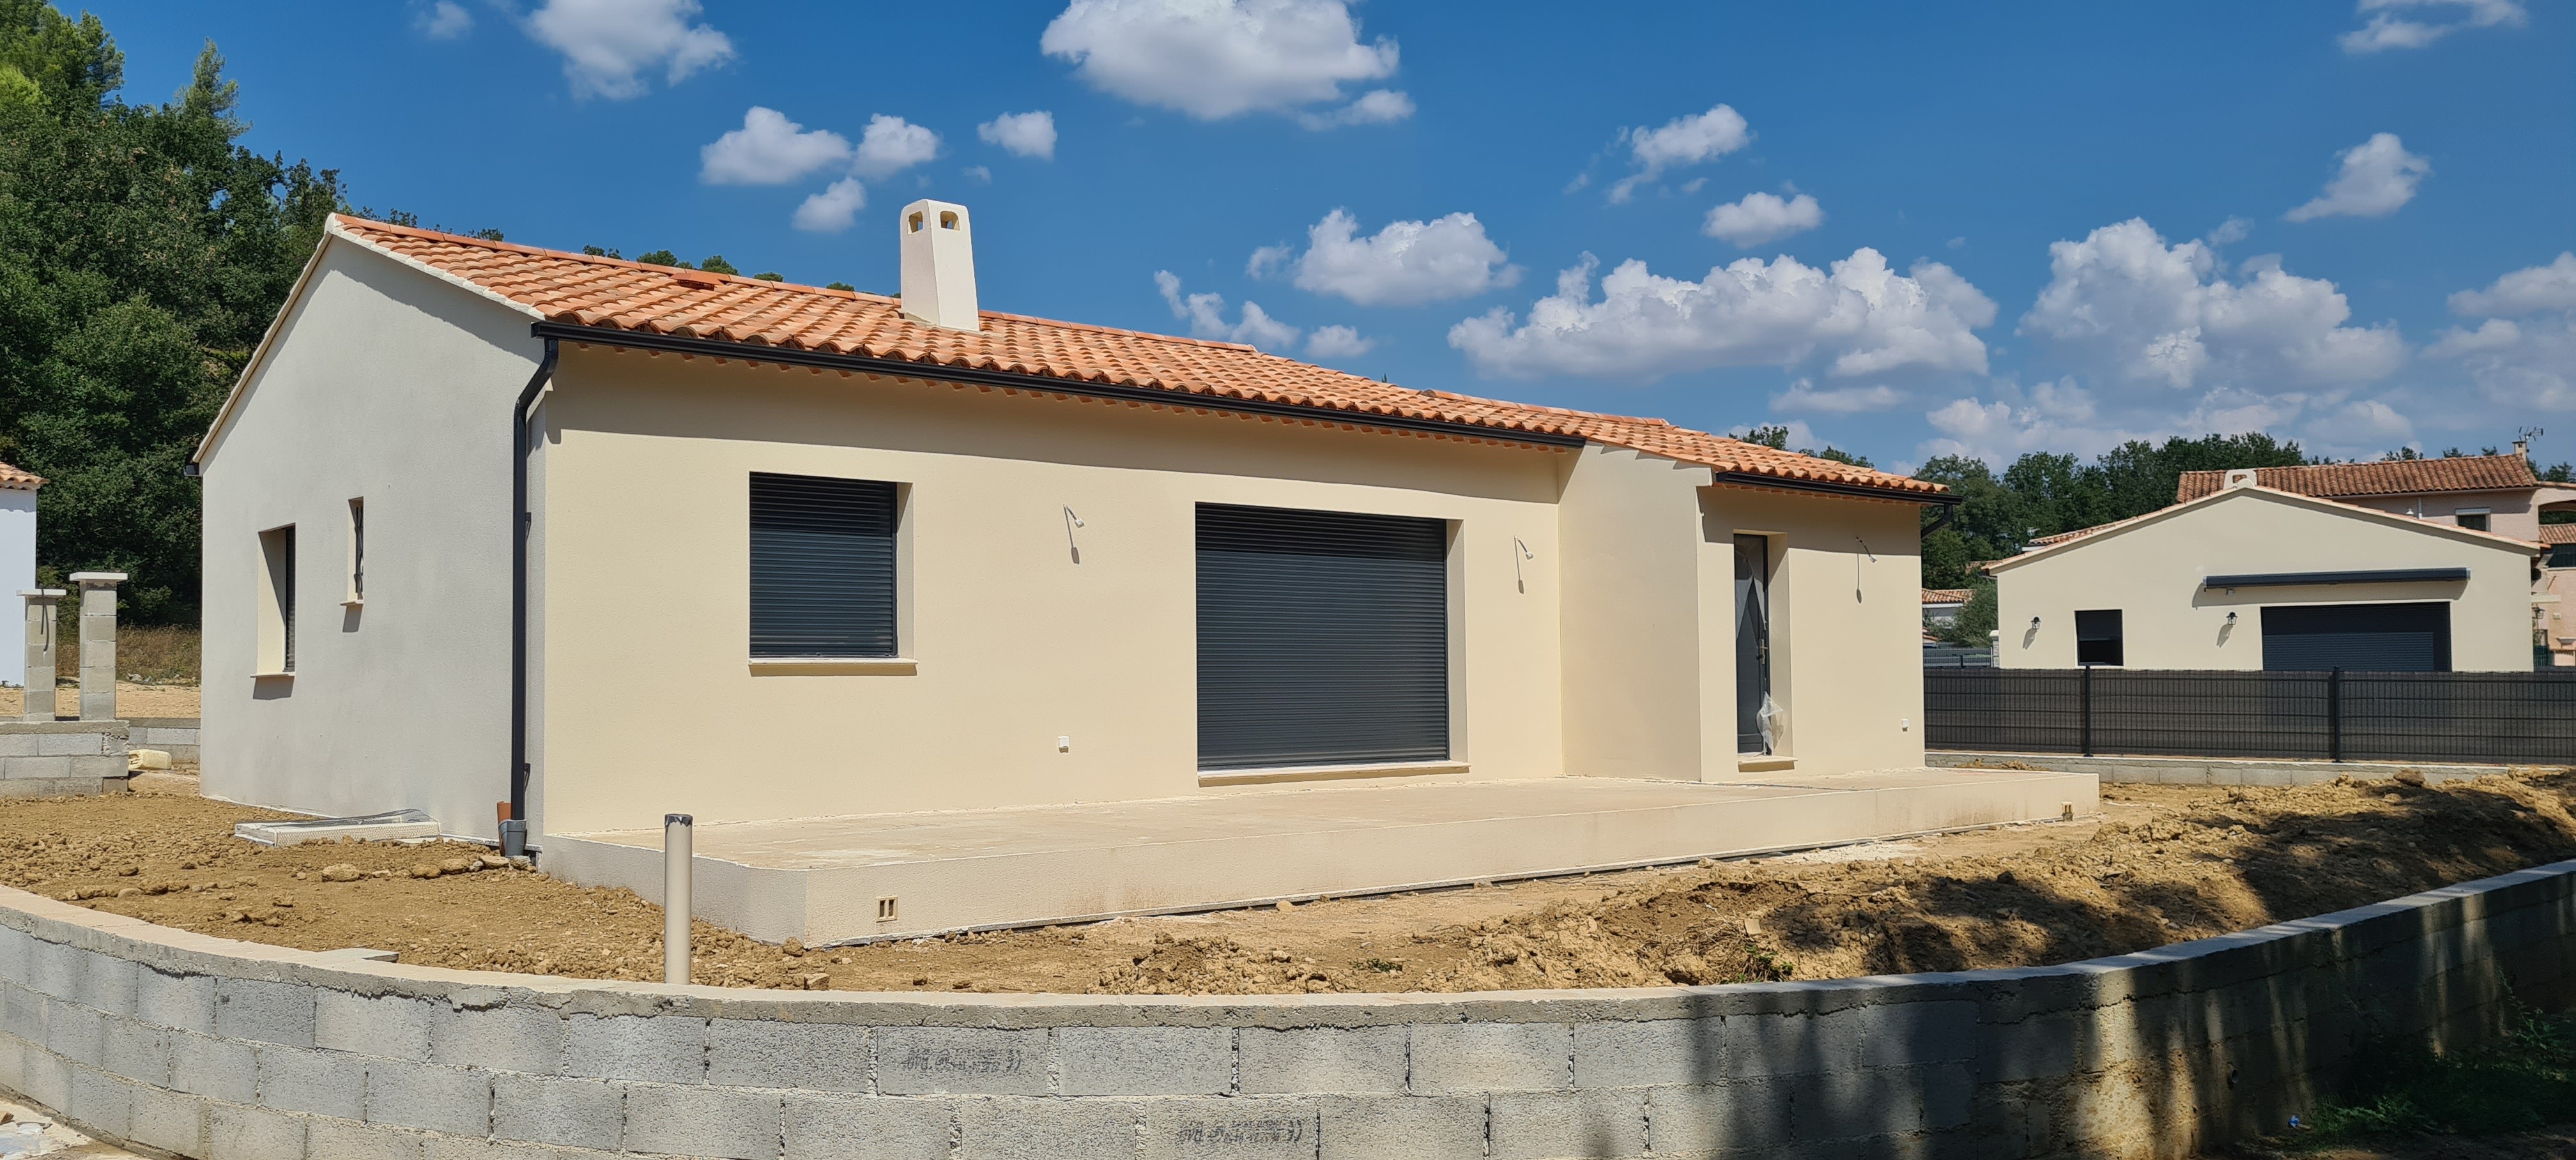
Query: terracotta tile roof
{"x": 2040, "y": 542}
{"x": 1947, "y": 595}
{"x": 2555, "y": 534}
{"x": 13, "y": 479}
{"x": 2392, "y": 477}
{"x": 620, "y": 295}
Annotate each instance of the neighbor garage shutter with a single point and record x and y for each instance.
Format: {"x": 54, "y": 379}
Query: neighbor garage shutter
{"x": 2380, "y": 638}
{"x": 1323, "y": 638}
{"x": 822, "y": 567}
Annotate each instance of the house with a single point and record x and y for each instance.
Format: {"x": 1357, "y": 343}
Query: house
{"x": 1942, "y": 605}
{"x": 2254, "y": 577}
{"x": 792, "y": 552}
{"x": 17, "y": 564}
{"x": 2552, "y": 619}
{"x": 2488, "y": 493}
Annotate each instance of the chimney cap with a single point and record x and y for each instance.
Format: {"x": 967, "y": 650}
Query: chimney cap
{"x": 2241, "y": 477}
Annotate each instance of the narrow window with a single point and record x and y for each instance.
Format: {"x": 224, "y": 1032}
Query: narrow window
{"x": 2474, "y": 519}
{"x": 277, "y": 607}
{"x": 2097, "y": 637}
{"x": 357, "y": 551}
{"x": 822, "y": 567}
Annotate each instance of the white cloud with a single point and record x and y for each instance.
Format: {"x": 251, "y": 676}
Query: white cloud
{"x": 2524, "y": 291}
{"x": 891, "y": 145}
{"x": 1338, "y": 342}
{"x": 769, "y": 149}
{"x": 1802, "y": 395}
{"x": 1859, "y": 319}
{"x": 2360, "y": 424}
{"x": 2123, "y": 303}
{"x": 1681, "y": 141}
{"x": 1404, "y": 264}
{"x": 1023, "y": 134}
{"x": 608, "y": 44}
{"x": 1375, "y": 107}
{"x": 979, "y": 174}
{"x": 1213, "y": 59}
{"x": 444, "y": 20}
{"x": 832, "y": 210}
{"x": 2232, "y": 231}
{"x": 2051, "y": 416}
{"x": 2377, "y": 177}
{"x": 1206, "y": 315}
{"x": 2386, "y": 30}
{"x": 1762, "y": 217}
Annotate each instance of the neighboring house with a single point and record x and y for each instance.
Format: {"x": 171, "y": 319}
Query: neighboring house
{"x": 2487, "y": 493}
{"x": 1942, "y": 605}
{"x": 2252, "y": 577}
{"x": 17, "y": 565}
{"x": 2555, "y": 592}
{"x": 796, "y": 552}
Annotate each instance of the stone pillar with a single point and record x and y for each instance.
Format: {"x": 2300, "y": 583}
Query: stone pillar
{"x": 98, "y": 643}
{"x": 38, "y": 704}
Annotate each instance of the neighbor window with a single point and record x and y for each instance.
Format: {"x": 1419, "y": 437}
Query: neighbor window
{"x": 277, "y": 600}
{"x": 2562, "y": 556}
{"x": 2097, "y": 637}
{"x": 357, "y": 551}
{"x": 822, "y": 567}
{"x": 2474, "y": 519}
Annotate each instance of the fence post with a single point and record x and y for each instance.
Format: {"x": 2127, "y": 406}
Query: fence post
{"x": 2088, "y": 711}
{"x": 2334, "y": 714}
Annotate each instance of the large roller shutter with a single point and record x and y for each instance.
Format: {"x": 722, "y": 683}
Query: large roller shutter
{"x": 1323, "y": 638}
{"x": 2381, "y": 638}
{"x": 822, "y": 567}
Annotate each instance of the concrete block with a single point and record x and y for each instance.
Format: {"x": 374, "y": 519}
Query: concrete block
{"x": 390, "y": 1026}
{"x": 14, "y": 947}
{"x": 853, "y": 1127}
{"x": 76, "y": 1033}
{"x": 102, "y": 766}
{"x": 14, "y": 744}
{"x": 702, "y": 1121}
{"x": 137, "y": 1051}
{"x": 982, "y": 1061}
{"x": 22, "y": 1012}
{"x": 1654, "y": 1053}
{"x": 168, "y": 1121}
{"x": 1355, "y": 1061}
{"x": 765, "y": 1053}
{"x": 1791, "y": 1044}
{"x": 1489, "y": 1057}
{"x": 54, "y": 970}
{"x": 464, "y": 1148}
{"x": 221, "y": 1069}
{"x": 523, "y": 1039}
{"x": 1903, "y": 1034}
{"x": 1554, "y": 1125}
{"x": 454, "y": 1100}
{"x": 301, "y": 1079}
{"x": 46, "y": 1078}
{"x": 106, "y": 983}
{"x": 346, "y": 1140}
{"x": 1234, "y": 1129}
{"x": 69, "y": 744}
{"x": 1414, "y": 1127}
{"x": 1145, "y": 1061}
{"x": 269, "y": 1012}
{"x": 577, "y": 1113}
{"x": 101, "y": 1101}
{"x": 653, "y": 1049}
{"x": 1047, "y": 1129}
{"x": 2039, "y": 1047}
{"x": 181, "y": 1002}
{"x": 36, "y": 768}
{"x": 1856, "y": 1104}
{"x": 1749, "y": 1115}
{"x": 13, "y": 1062}
{"x": 239, "y": 1133}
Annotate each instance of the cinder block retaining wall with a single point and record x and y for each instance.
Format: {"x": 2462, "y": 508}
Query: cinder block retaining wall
{"x": 58, "y": 758}
{"x": 2247, "y": 771}
{"x": 203, "y": 1047}
{"x": 176, "y": 736}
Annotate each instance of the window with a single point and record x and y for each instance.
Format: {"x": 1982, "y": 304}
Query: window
{"x": 277, "y": 606}
{"x": 822, "y": 567}
{"x": 2562, "y": 556}
{"x": 2097, "y": 637}
{"x": 2474, "y": 519}
{"x": 357, "y": 552}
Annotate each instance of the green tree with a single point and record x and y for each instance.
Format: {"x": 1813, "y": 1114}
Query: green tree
{"x": 1776, "y": 437}
{"x": 1976, "y": 618}
{"x": 142, "y": 254}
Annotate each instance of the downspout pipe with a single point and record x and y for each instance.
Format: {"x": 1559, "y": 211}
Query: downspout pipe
{"x": 514, "y": 829}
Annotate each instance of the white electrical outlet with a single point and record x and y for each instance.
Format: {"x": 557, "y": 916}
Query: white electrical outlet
{"x": 1904, "y": 723}
{"x": 1064, "y": 744}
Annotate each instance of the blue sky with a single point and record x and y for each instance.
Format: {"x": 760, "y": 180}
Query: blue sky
{"x": 1905, "y": 229}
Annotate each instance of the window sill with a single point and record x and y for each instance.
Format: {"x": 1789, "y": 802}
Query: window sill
{"x": 286, "y": 675}
{"x": 1326, "y": 772}
{"x": 1764, "y": 763}
{"x": 833, "y": 666}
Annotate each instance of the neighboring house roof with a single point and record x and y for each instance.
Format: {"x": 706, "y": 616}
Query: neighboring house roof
{"x": 2065, "y": 540}
{"x": 611, "y": 294}
{"x": 12, "y": 479}
{"x": 2556, "y": 534}
{"x": 2390, "y": 477}
{"x": 1947, "y": 595}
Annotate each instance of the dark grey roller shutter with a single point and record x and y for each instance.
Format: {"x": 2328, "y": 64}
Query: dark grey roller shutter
{"x": 822, "y": 567}
{"x": 1323, "y": 638}
{"x": 2379, "y": 638}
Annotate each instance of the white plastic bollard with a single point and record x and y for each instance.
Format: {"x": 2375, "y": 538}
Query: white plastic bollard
{"x": 678, "y": 849}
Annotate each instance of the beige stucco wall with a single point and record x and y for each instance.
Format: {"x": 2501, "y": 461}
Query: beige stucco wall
{"x": 1633, "y": 633}
{"x": 2152, "y": 572}
{"x": 650, "y": 702}
{"x": 388, "y": 386}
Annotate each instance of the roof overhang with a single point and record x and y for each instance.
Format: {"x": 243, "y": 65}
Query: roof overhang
{"x": 2377, "y": 576}
{"x": 1829, "y": 487}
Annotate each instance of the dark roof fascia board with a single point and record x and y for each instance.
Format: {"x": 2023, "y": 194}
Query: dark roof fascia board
{"x": 1830, "y": 487}
{"x": 792, "y": 356}
{"x": 2381, "y": 576}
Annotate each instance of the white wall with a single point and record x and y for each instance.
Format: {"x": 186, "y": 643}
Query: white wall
{"x": 388, "y": 385}
{"x": 17, "y": 571}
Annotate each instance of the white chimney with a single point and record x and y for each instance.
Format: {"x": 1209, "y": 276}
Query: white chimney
{"x": 2240, "y": 477}
{"x": 939, "y": 265}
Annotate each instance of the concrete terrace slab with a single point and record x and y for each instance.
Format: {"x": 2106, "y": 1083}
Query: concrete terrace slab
{"x": 821, "y": 879}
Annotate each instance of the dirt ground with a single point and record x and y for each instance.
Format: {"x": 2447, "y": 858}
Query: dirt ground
{"x": 2163, "y": 864}
{"x": 132, "y": 700}
{"x": 2550, "y": 1144}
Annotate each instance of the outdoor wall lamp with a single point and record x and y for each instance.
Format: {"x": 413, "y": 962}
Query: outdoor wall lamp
{"x": 1072, "y": 521}
{"x": 2231, "y": 618}
{"x": 1523, "y": 554}
{"x": 2034, "y": 622}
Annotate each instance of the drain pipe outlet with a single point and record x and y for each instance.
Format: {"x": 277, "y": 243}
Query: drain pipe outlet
{"x": 514, "y": 828}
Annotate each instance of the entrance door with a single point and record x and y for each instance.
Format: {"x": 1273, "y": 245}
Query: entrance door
{"x": 1752, "y": 640}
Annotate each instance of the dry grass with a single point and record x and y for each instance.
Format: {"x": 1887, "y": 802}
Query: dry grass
{"x": 157, "y": 654}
